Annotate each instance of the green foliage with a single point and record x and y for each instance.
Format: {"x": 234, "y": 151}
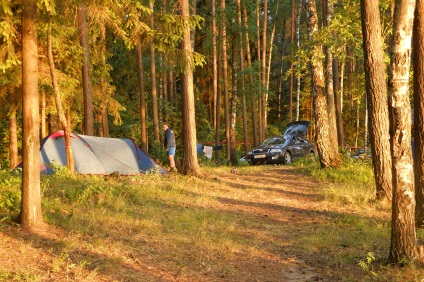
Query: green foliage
{"x": 366, "y": 264}
{"x": 157, "y": 152}
{"x": 10, "y": 196}
{"x": 8, "y": 36}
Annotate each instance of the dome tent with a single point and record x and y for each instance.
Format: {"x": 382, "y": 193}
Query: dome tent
{"x": 97, "y": 155}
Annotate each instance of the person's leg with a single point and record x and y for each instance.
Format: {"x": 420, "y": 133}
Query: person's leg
{"x": 171, "y": 161}
{"x": 171, "y": 153}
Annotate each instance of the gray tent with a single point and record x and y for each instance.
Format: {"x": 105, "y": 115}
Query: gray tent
{"x": 97, "y": 155}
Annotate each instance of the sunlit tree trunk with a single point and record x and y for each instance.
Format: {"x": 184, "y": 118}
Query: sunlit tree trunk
{"x": 190, "y": 164}
{"x": 30, "y": 216}
{"x": 281, "y": 72}
{"x": 292, "y": 29}
{"x": 103, "y": 86}
{"x": 418, "y": 63}
{"x": 338, "y": 103}
{"x": 328, "y": 11}
{"x": 216, "y": 85}
{"x": 218, "y": 116}
{"x": 143, "y": 120}
{"x": 214, "y": 63}
{"x": 86, "y": 71}
{"x": 62, "y": 117}
{"x": 251, "y": 78}
{"x": 225, "y": 79}
{"x": 259, "y": 59}
{"x": 403, "y": 244}
{"x": 153, "y": 82}
{"x": 13, "y": 139}
{"x": 375, "y": 78}
{"x": 233, "y": 102}
{"x": 298, "y": 75}
{"x": 264, "y": 72}
{"x": 43, "y": 117}
{"x": 241, "y": 55}
{"x": 326, "y": 145}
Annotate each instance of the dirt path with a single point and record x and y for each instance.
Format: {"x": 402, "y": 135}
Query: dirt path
{"x": 283, "y": 199}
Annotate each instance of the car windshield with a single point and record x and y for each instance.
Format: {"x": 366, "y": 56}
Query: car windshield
{"x": 274, "y": 141}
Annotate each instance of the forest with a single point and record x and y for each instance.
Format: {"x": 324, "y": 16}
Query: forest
{"x": 222, "y": 73}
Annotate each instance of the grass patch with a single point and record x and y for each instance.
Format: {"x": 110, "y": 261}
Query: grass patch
{"x": 227, "y": 226}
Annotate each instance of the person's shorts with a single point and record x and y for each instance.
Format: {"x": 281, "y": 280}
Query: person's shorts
{"x": 171, "y": 151}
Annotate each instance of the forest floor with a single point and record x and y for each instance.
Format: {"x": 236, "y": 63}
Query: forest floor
{"x": 286, "y": 228}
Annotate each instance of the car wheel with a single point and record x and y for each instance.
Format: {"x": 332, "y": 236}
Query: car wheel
{"x": 287, "y": 158}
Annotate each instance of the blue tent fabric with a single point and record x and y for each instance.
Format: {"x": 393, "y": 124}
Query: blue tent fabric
{"x": 97, "y": 155}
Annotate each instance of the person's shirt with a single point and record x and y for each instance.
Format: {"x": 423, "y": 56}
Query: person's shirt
{"x": 169, "y": 140}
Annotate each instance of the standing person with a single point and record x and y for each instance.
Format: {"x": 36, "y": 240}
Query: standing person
{"x": 169, "y": 144}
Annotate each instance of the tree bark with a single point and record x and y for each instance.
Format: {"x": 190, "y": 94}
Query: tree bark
{"x": 103, "y": 86}
{"x": 338, "y": 103}
{"x": 190, "y": 164}
{"x": 326, "y": 146}
{"x": 30, "y": 216}
{"x": 403, "y": 244}
{"x": 43, "y": 114}
{"x": 217, "y": 87}
{"x": 292, "y": 28}
{"x": 143, "y": 119}
{"x": 418, "y": 63}
{"x": 214, "y": 63}
{"x": 258, "y": 51}
{"x": 153, "y": 81}
{"x": 62, "y": 117}
{"x": 225, "y": 80}
{"x": 328, "y": 7}
{"x": 264, "y": 71}
{"x": 252, "y": 99}
{"x": 241, "y": 56}
{"x": 234, "y": 100}
{"x": 13, "y": 139}
{"x": 377, "y": 97}
{"x": 86, "y": 71}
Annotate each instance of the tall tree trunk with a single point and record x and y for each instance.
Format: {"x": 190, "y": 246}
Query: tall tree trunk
{"x": 403, "y": 244}
{"x": 189, "y": 163}
{"x": 214, "y": 63}
{"x": 217, "y": 87}
{"x": 43, "y": 114}
{"x": 86, "y": 71}
{"x": 30, "y": 216}
{"x": 338, "y": 103}
{"x": 377, "y": 97}
{"x": 264, "y": 72}
{"x": 251, "y": 78}
{"x": 153, "y": 81}
{"x": 103, "y": 86}
{"x": 268, "y": 71}
{"x": 327, "y": 147}
{"x": 258, "y": 49}
{"x": 234, "y": 98}
{"x": 298, "y": 75}
{"x": 62, "y": 117}
{"x": 281, "y": 73}
{"x": 218, "y": 115}
{"x": 328, "y": 7}
{"x": 418, "y": 63}
{"x": 241, "y": 56}
{"x": 143, "y": 117}
{"x": 292, "y": 28}
{"x": 225, "y": 79}
{"x": 13, "y": 139}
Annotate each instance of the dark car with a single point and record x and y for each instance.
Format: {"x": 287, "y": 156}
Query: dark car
{"x": 285, "y": 148}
